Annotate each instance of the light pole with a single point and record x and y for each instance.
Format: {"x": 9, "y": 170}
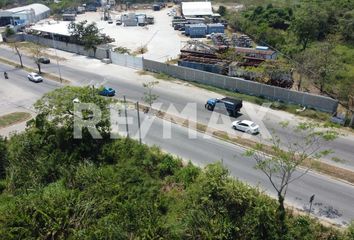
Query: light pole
{"x": 56, "y": 55}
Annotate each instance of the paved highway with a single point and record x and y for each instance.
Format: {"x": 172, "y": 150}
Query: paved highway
{"x": 334, "y": 200}
{"x": 343, "y": 146}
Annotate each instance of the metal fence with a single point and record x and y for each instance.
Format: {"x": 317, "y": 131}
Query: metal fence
{"x": 309, "y": 100}
{"x": 126, "y": 60}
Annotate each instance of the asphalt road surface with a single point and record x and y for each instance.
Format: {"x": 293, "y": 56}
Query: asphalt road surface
{"x": 334, "y": 200}
{"x": 343, "y": 146}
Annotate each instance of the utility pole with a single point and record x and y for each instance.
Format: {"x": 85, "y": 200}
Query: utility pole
{"x": 137, "y": 110}
{"x": 311, "y": 201}
{"x": 56, "y": 55}
{"x": 126, "y": 116}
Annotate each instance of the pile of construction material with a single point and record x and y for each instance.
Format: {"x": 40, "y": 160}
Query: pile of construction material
{"x": 220, "y": 40}
{"x": 198, "y": 55}
{"x": 274, "y": 77}
{"x": 241, "y": 41}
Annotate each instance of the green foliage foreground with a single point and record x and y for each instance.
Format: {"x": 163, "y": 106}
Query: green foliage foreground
{"x": 57, "y": 187}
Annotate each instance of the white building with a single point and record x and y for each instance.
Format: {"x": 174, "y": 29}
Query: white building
{"x": 196, "y": 9}
{"x": 24, "y": 15}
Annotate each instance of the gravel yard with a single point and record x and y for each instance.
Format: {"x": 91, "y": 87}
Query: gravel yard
{"x": 161, "y": 40}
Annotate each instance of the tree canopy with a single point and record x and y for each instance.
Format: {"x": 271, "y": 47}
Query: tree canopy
{"x": 306, "y": 28}
{"x": 58, "y": 187}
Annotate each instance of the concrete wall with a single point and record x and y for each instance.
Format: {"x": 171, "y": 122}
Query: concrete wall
{"x": 68, "y": 47}
{"x": 309, "y": 100}
{"x": 126, "y": 60}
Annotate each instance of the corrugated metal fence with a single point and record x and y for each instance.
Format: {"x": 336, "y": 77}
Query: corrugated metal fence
{"x": 321, "y": 103}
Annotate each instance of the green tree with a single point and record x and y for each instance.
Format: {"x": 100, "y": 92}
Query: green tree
{"x": 347, "y": 28}
{"x": 37, "y": 52}
{"x": 282, "y": 167}
{"x": 303, "y": 62}
{"x": 149, "y": 96}
{"x": 86, "y": 34}
{"x": 48, "y": 148}
{"x": 323, "y": 64}
{"x": 310, "y": 23}
{"x": 9, "y": 32}
{"x": 16, "y": 46}
{"x": 222, "y": 10}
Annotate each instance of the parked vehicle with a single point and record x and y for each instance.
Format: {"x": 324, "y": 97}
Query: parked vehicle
{"x": 44, "y": 60}
{"x": 34, "y": 77}
{"x": 118, "y": 22}
{"x": 231, "y": 105}
{"x": 106, "y": 91}
{"x": 246, "y": 126}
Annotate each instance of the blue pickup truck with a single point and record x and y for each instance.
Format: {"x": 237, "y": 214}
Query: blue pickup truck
{"x": 106, "y": 91}
{"x": 232, "y": 106}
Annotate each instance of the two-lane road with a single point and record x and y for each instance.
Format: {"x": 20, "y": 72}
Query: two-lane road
{"x": 334, "y": 200}
{"x": 173, "y": 94}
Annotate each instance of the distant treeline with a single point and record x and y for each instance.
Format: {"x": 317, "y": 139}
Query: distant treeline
{"x": 318, "y": 37}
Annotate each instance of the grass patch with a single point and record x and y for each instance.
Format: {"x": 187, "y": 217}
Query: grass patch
{"x": 13, "y": 118}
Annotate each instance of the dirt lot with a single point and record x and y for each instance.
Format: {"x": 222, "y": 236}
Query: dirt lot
{"x": 162, "y": 41}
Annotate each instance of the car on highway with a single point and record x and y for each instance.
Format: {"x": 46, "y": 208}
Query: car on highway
{"x": 44, "y": 60}
{"x": 107, "y": 91}
{"x": 245, "y": 126}
{"x": 231, "y": 105}
{"x": 34, "y": 77}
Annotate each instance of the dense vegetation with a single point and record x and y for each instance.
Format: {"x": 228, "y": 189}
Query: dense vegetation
{"x": 317, "y": 37}
{"x": 57, "y": 187}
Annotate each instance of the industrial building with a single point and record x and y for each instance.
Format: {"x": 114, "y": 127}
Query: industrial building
{"x": 196, "y": 9}
{"x": 24, "y": 15}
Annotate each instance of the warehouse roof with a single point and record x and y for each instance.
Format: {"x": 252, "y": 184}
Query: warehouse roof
{"x": 37, "y": 8}
{"x": 196, "y": 8}
{"x": 54, "y": 27}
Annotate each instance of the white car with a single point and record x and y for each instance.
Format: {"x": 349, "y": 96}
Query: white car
{"x": 34, "y": 77}
{"x": 246, "y": 126}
